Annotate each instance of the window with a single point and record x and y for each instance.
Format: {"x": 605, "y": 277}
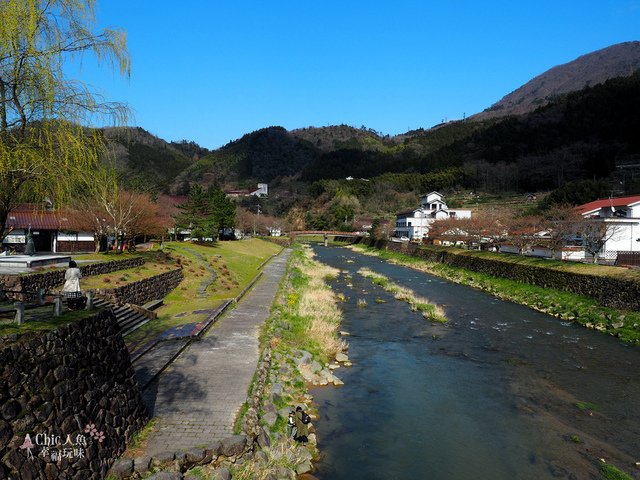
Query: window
{"x": 452, "y": 214}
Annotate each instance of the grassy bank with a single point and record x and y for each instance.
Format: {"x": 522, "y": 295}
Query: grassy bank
{"x": 563, "y": 305}
{"x": 212, "y": 274}
{"x": 308, "y": 308}
{"x": 546, "y": 263}
{"x": 305, "y": 316}
{"x": 429, "y": 310}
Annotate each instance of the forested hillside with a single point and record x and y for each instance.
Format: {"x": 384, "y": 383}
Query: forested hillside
{"x": 591, "y": 134}
{"x": 582, "y": 135}
{"x": 587, "y": 70}
{"x": 146, "y": 162}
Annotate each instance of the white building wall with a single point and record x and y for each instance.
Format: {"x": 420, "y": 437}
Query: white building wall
{"x": 538, "y": 251}
{"x": 634, "y": 211}
{"x": 460, "y": 213}
{"x": 624, "y": 238}
{"x": 75, "y": 237}
{"x": 509, "y": 249}
{"x": 16, "y": 236}
{"x": 416, "y": 226}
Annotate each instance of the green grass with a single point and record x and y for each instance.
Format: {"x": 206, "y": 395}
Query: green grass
{"x": 429, "y": 311}
{"x": 235, "y": 263}
{"x": 575, "y": 267}
{"x": 587, "y": 406}
{"x": 318, "y": 239}
{"x": 563, "y": 305}
{"x": 613, "y": 473}
{"x": 155, "y": 264}
{"x": 284, "y": 312}
{"x": 140, "y": 437}
{"x": 237, "y": 425}
{"x": 45, "y": 321}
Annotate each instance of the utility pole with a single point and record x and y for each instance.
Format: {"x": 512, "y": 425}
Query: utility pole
{"x": 258, "y": 211}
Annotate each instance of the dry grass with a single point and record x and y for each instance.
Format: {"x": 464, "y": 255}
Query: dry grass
{"x": 319, "y": 303}
{"x": 285, "y": 453}
{"x": 429, "y": 310}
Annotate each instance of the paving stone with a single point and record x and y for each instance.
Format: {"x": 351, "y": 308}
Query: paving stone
{"x": 198, "y": 397}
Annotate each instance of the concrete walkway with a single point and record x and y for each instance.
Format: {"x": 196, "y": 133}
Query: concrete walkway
{"x": 197, "y": 398}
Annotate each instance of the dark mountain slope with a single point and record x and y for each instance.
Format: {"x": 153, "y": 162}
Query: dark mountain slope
{"x": 262, "y": 155}
{"x": 144, "y": 161}
{"x": 344, "y": 137}
{"x": 588, "y": 70}
{"x": 584, "y": 134}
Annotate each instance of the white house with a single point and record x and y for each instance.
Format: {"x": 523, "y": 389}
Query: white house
{"x": 415, "y": 224}
{"x": 622, "y": 216}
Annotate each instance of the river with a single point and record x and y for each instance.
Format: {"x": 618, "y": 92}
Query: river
{"x": 499, "y": 392}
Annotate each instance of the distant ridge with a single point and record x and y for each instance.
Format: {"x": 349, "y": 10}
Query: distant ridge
{"x": 618, "y": 60}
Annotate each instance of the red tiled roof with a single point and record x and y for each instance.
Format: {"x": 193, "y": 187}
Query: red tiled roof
{"x": 37, "y": 220}
{"x": 607, "y": 202}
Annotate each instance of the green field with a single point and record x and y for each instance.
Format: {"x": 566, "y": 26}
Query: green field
{"x": 233, "y": 264}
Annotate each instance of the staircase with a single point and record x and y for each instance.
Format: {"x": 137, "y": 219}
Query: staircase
{"x": 129, "y": 318}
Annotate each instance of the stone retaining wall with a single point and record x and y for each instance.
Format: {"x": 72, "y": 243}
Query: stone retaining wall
{"x": 55, "y": 385}
{"x": 145, "y": 290}
{"x": 608, "y": 291}
{"x": 23, "y": 287}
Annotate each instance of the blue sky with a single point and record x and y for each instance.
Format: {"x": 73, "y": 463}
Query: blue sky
{"x": 213, "y": 70}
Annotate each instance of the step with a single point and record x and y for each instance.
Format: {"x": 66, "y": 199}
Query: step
{"x": 130, "y": 319}
{"x": 135, "y": 327}
{"x": 125, "y": 314}
{"x": 153, "y": 304}
{"x": 130, "y": 326}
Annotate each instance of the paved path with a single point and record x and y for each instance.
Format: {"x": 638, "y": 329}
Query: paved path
{"x": 153, "y": 361}
{"x": 197, "y": 398}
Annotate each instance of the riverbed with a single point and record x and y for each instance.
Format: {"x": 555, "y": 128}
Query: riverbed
{"x": 499, "y": 392}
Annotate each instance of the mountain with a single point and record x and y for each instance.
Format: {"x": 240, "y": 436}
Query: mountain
{"x": 588, "y": 133}
{"x": 344, "y": 137}
{"x": 262, "y": 155}
{"x": 586, "y": 71}
{"x": 146, "y": 162}
{"x": 585, "y": 134}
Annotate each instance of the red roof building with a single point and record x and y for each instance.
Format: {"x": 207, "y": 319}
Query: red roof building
{"x": 608, "y": 203}
{"x": 620, "y": 217}
{"x": 53, "y": 231}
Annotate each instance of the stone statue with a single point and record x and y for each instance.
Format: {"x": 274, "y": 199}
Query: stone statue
{"x": 30, "y": 248}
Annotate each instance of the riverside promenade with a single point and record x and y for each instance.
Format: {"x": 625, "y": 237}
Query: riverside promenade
{"x": 197, "y": 398}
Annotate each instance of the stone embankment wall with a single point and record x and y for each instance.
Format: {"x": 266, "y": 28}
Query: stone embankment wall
{"x": 608, "y": 291}
{"x": 23, "y": 287}
{"x": 55, "y": 385}
{"x": 144, "y": 290}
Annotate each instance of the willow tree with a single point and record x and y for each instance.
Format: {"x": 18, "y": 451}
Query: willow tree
{"x": 45, "y": 148}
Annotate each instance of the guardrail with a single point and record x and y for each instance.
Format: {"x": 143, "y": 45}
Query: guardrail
{"x": 42, "y": 298}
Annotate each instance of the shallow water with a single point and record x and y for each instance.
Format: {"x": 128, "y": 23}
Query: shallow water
{"x": 491, "y": 395}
